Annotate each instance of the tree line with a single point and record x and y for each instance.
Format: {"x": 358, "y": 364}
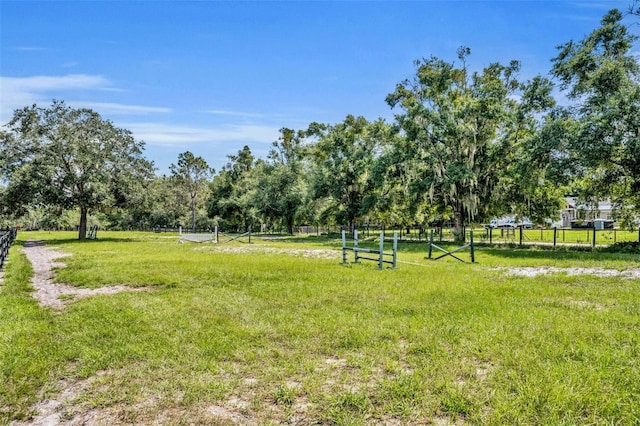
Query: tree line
{"x": 464, "y": 146}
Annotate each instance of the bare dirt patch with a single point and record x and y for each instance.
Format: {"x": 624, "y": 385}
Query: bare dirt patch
{"x": 598, "y": 272}
{"x": 56, "y": 295}
{"x": 310, "y": 253}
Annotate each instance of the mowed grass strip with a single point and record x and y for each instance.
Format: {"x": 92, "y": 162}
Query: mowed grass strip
{"x": 280, "y": 332}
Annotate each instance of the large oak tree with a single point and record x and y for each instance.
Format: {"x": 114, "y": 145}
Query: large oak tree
{"x": 69, "y": 158}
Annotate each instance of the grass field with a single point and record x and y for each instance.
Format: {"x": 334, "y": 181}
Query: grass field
{"x": 279, "y": 332}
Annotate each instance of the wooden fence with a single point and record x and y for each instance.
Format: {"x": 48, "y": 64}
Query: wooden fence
{"x": 7, "y": 237}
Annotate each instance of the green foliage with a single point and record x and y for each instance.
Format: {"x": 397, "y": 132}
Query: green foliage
{"x": 602, "y": 76}
{"x": 343, "y": 158}
{"x": 191, "y": 174}
{"x": 230, "y": 201}
{"x": 69, "y": 158}
{"x": 280, "y": 184}
{"x": 461, "y": 130}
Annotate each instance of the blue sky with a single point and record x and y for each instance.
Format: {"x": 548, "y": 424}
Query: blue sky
{"x": 211, "y": 77}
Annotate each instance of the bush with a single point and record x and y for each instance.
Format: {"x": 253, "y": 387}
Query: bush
{"x": 632, "y": 247}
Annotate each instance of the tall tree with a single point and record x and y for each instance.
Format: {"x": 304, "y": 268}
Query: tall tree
{"x": 192, "y": 174}
{"x": 343, "y": 158}
{"x": 230, "y": 202}
{"x": 69, "y": 158}
{"x": 280, "y": 185}
{"x": 602, "y": 77}
{"x": 452, "y": 121}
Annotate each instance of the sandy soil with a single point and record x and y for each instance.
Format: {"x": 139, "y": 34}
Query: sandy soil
{"x": 598, "y": 272}
{"x": 56, "y": 295}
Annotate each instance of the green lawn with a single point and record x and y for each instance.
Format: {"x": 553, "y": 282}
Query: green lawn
{"x": 279, "y": 332}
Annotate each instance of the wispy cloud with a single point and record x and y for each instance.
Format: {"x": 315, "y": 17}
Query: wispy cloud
{"x": 168, "y": 135}
{"x": 238, "y": 114}
{"x": 18, "y": 92}
{"x": 115, "y": 108}
{"x": 29, "y": 48}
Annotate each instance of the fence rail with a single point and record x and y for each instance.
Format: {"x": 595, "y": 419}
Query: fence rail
{"x": 588, "y": 237}
{"x": 7, "y": 237}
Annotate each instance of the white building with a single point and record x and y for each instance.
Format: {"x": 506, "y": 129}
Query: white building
{"x": 601, "y": 213}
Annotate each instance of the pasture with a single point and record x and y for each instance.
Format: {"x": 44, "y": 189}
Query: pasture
{"x": 279, "y": 332}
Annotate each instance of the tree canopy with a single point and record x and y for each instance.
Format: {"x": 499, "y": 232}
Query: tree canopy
{"x": 601, "y": 75}
{"x": 69, "y": 158}
{"x": 465, "y": 145}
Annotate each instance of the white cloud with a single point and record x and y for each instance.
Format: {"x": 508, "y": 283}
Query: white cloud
{"x": 168, "y": 135}
{"x": 229, "y": 113}
{"x": 105, "y": 108}
{"x": 18, "y": 92}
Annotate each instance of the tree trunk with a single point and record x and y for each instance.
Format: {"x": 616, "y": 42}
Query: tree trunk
{"x": 82, "y": 234}
{"x": 458, "y": 222}
{"x": 193, "y": 214}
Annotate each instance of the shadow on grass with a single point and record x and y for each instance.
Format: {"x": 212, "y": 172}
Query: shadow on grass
{"x": 69, "y": 241}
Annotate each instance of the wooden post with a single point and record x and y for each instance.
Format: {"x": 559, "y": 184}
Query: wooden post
{"x": 249, "y": 234}
{"x": 490, "y": 235}
{"x": 555, "y": 234}
{"x": 355, "y": 245}
{"x": 431, "y": 242}
{"x": 344, "y": 247}
{"x": 395, "y": 248}
{"x": 473, "y": 256}
{"x": 520, "y": 227}
{"x": 380, "y": 258}
{"x": 594, "y": 234}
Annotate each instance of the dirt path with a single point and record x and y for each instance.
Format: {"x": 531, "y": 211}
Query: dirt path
{"x": 55, "y": 295}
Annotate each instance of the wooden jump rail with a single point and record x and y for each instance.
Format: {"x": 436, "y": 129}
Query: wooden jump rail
{"x": 451, "y": 252}
{"x": 380, "y": 252}
{"x": 6, "y": 239}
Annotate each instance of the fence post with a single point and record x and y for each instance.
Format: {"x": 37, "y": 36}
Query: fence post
{"x": 395, "y": 248}
{"x": 431, "y": 241}
{"x": 490, "y": 235}
{"x": 555, "y": 233}
{"x": 355, "y": 245}
{"x": 344, "y": 247}
{"x": 380, "y": 261}
{"x": 520, "y": 227}
{"x": 215, "y": 235}
{"x": 473, "y": 256}
{"x": 249, "y": 234}
{"x": 594, "y": 234}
